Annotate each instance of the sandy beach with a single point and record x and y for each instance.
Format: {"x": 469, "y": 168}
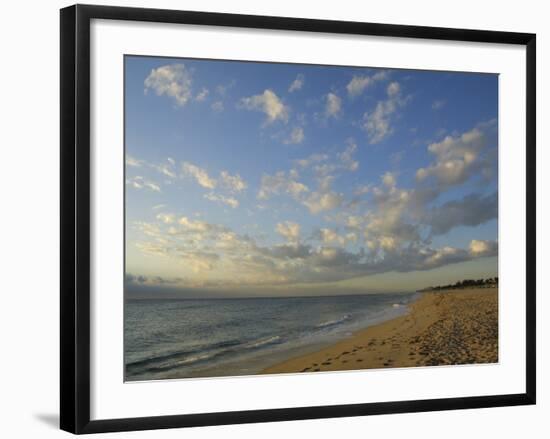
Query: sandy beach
{"x": 441, "y": 328}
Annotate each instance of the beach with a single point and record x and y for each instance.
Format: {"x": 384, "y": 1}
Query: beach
{"x": 441, "y": 328}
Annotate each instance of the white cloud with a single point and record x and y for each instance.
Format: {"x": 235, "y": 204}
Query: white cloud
{"x": 195, "y": 225}
{"x": 362, "y": 189}
{"x": 198, "y": 260}
{"x": 389, "y": 179}
{"x": 205, "y": 246}
{"x": 140, "y": 182}
{"x": 167, "y": 169}
{"x": 233, "y": 183}
{"x": 199, "y": 174}
{"x": 218, "y": 198}
{"x": 172, "y": 80}
{"x": 445, "y": 255}
{"x": 297, "y": 84}
{"x": 438, "y": 104}
{"x": 313, "y": 158}
{"x": 360, "y": 83}
{"x": 131, "y": 161}
{"x": 333, "y": 105}
{"x": 289, "y": 230}
{"x": 460, "y": 157}
{"x": 325, "y": 182}
{"x": 346, "y": 156}
{"x": 202, "y": 95}
{"x": 222, "y": 89}
{"x": 167, "y": 218}
{"x": 483, "y": 248}
{"x": 330, "y": 236}
{"x": 269, "y": 103}
{"x": 377, "y": 123}
{"x": 217, "y": 106}
{"x": 393, "y": 89}
{"x": 280, "y": 183}
{"x": 319, "y": 202}
{"x": 296, "y": 136}
{"x": 344, "y": 161}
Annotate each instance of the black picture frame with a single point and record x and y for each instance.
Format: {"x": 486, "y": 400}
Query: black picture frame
{"x": 75, "y": 217}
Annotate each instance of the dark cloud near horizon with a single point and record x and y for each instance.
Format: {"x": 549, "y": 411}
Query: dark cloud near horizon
{"x": 472, "y": 210}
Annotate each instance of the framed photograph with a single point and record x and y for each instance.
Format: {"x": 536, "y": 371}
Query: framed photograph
{"x": 268, "y": 218}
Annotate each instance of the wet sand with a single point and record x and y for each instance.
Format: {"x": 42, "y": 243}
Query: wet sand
{"x": 441, "y": 328}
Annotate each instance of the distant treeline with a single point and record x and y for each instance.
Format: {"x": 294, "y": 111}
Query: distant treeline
{"x": 490, "y": 282}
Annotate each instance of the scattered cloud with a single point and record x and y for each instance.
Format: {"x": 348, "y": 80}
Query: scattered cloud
{"x": 269, "y": 103}
{"x": 133, "y": 162}
{"x": 346, "y": 157}
{"x": 438, "y": 104}
{"x": 233, "y": 183}
{"x": 218, "y": 198}
{"x": 223, "y": 89}
{"x": 358, "y": 223}
{"x": 280, "y": 183}
{"x": 139, "y": 182}
{"x": 389, "y": 179}
{"x": 313, "y": 158}
{"x": 324, "y": 166}
{"x": 217, "y": 106}
{"x": 297, "y": 84}
{"x": 359, "y": 83}
{"x": 330, "y": 236}
{"x": 167, "y": 169}
{"x": 166, "y": 218}
{"x": 457, "y": 158}
{"x": 289, "y": 230}
{"x": 483, "y": 248}
{"x": 203, "y": 247}
{"x": 377, "y": 123}
{"x": 333, "y": 106}
{"x": 200, "y": 175}
{"x": 362, "y": 189}
{"x": 296, "y": 136}
{"x": 319, "y": 202}
{"x": 172, "y": 80}
{"x": 202, "y": 95}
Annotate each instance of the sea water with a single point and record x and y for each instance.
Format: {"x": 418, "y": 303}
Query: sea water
{"x": 185, "y": 338}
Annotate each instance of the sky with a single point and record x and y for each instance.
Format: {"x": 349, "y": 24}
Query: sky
{"x": 265, "y": 179}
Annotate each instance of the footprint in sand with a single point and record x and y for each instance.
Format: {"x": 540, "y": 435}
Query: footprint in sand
{"x": 326, "y": 363}
{"x": 359, "y": 360}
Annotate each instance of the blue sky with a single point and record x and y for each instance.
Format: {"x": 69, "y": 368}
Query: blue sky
{"x": 261, "y": 178}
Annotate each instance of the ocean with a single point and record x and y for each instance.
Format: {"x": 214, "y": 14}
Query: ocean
{"x": 185, "y": 338}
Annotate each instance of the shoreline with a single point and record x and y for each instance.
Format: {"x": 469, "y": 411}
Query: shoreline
{"x": 441, "y": 328}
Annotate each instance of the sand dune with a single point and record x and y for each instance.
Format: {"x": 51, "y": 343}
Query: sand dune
{"x": 444, "y": 327}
